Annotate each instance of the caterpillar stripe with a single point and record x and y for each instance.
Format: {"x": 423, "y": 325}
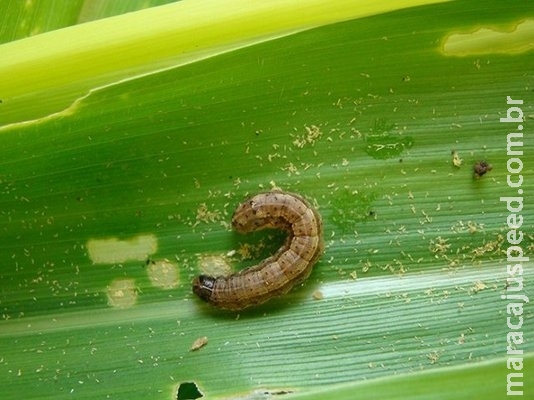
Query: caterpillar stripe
{"x": 277, "y": 274}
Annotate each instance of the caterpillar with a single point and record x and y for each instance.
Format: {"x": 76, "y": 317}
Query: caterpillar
{"x": 277, "y": 274}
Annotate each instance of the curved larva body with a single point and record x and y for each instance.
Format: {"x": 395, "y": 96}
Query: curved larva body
{"x": 276, "y": 275}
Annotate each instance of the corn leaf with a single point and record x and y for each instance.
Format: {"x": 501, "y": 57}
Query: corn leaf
{"x": 128, "y": 139}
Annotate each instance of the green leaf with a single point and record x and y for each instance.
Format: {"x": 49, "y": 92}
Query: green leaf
{"x": 126, "y": 145}
{"x": 88, "y": 57}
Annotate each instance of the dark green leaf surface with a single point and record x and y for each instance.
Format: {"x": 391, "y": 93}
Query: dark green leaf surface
{"x": 361, "y": 118}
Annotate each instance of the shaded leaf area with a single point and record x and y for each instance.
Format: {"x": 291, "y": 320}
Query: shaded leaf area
{"x": 20, "y": 19}
{"x": 93, "y": 10}
{"x": 413, "y": 270}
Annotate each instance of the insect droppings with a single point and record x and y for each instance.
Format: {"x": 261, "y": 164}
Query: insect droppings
{"x": 199, "y": 343}
{"x": 277, "y": 274}
{"x": 481, "y": 168}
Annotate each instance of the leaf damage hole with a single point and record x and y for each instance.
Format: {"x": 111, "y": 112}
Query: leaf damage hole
{"x": 188, "y": 391}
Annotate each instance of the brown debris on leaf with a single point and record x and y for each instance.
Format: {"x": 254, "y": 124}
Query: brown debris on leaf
{"x": 199, "y": 343}
{"x": 481, "y": 167}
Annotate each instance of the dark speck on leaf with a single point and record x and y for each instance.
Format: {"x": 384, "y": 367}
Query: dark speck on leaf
{"x": 481, "y": 167}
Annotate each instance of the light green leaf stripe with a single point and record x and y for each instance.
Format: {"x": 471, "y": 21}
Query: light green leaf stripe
{"x": 120, "y": 186}
{"x": 91, "y": 55}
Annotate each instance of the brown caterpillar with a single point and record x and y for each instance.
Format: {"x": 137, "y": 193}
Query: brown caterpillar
{"x": 276, "y": 275}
